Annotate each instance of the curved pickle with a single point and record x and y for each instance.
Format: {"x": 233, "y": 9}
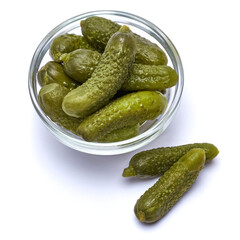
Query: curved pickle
{"x": 162, "y": 196}
{"x": 107, "y": 78}
{"x": 155, "y": 162}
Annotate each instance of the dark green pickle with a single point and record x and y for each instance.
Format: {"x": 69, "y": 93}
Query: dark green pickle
{"x": 53, "y": 72}
{"x": 155, "y": 162}
{"x": 159, "y": 199}
{"x": 66, "y": 43}
{"x": 50, "y": 99}
{"x": 107, "y": 78}
{"x": 80, "y": 64}
{"x": 98, "y": 30}
{"x": 128, "y": 110}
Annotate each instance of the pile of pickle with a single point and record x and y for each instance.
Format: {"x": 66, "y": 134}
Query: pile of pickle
{"x": 178, "y": 168}
{"x": 102, "y": 85}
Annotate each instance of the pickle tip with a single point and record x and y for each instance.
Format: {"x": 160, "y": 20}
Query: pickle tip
{"x": 141, "y": 216}
{"x": 129, "y": 172}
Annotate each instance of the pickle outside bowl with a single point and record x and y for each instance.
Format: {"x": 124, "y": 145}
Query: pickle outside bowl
{"x": 150, "y": 130}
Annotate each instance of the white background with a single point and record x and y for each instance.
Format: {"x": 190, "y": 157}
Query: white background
{"x": 49, "y": 191}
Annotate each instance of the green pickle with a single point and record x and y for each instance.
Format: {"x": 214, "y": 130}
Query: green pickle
{"x": 80, "y": 64}
{"x": 163, "y": 195}
{"x": 128, "y": 110}
{"x": 155, "y": 162}
{"x": 50, "y": 99}
{"x": 98, "y": 30}
{"x": 53, "y": 72}
{"x": 66, "y": 43}
{"x": 107, "y": 78}
{"x": 150, "y": 77}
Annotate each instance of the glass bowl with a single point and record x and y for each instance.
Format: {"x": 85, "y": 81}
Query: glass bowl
{"x": 150, "y": 130}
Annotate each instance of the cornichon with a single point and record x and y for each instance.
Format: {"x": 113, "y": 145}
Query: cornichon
{"x": 162, "y": 196}
{"x": 98, "y": 30}
{"x": 107, "y": 78}
{"x": 80, "y": 64}
{"x": 66, "y": 43}
{"x": 128, "y": 110}
{"x": 150, "y": 77}
{"x": 154, "y": 162}
{"x": 50, "y": 100}
{"x": 120, "y": 134}
{"x": 53, "y": 72}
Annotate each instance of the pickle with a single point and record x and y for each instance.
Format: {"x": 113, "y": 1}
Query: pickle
{"x": 120, "y": 134}
{"x": 150, "y": 77}
{"x": 80, "y": 64}
{"x": 107, "y": 78}
{"x": 128, "y": 110}
{"x": 162, "y": 196}
{"x": 50, "y": 99}
{"x": 66, "y": 43}
{"x": 53, "y": 72}
{"x": 152, "y": 163}
{"x": 98, "y": 30}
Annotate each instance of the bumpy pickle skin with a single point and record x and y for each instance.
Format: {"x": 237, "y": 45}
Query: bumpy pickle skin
{"x": 53, "y": 72}
{"x": 163, "y": 195}
{"x": 128, "y": 110}
{"x": 80, "y": 64}
{"x": 120, "y": 134}
{"x": 50, "y": 100}
{"x": 107, "y": 78}
{"x": 155, "y": 162}
{"x": 150, "y": 77}
{"x": 98, "y": 30}
{"x": 66, "y": 43}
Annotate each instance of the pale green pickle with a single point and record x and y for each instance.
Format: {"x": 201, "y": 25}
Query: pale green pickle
{"x": 128, "y": 110}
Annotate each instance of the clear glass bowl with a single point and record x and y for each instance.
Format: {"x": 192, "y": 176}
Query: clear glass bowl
{"x": 149, "y": 130}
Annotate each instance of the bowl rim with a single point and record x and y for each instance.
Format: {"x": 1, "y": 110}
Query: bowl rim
{"x": 138, "y": 141}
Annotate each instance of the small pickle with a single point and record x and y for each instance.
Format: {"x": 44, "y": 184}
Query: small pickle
{"x": 98, "y": 30}
{"x": 50, "y": 100}
{"x": 155, "y": 162}
{"x": 53, "y": 72}
{"x": 120, "y": 134}
{"x": 150, "y": 77}
{"x": 107, "y": 78}
{"x": 66, "y": 43}
{"x": 128, "y": 110}
{"x": 163, "y": 195}
{"x": 80, "y": 64}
